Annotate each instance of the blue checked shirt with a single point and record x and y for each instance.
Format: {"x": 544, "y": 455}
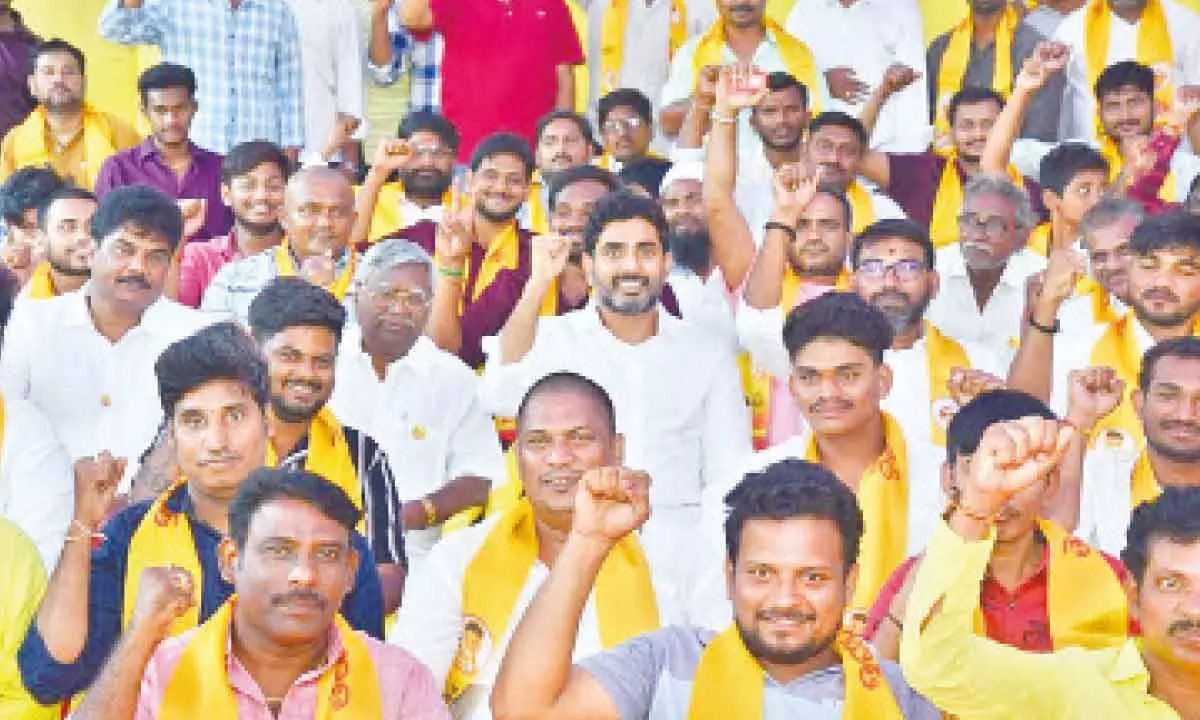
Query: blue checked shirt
{"x": 247, "y": 64}
{"x": 424, "y": 59}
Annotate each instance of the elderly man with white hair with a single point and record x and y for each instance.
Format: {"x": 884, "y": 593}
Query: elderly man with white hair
{"x": 418, "y": 401}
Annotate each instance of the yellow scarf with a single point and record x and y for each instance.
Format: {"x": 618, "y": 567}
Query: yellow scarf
{"x": 624, "y": 595}
{"x": 162, "y": 538}
{"x": 1102, "y": 311}
{"x": 1085, "y": 601}
{"x": 199, "y": 686}
{"x": 862, "y": 210}
{"x": 341, "y": 284}
{"x": 1143, "y": 485}
{"x": 31, "y": 141}
{"x": 1116, "y": 164}
{"x": 388, "y": 216}
{"x": 797, "y": 58}
{"x": 883, "y": 497}
{"x": 612, "y": 39}
{"x": 729, "y": 681}
{"x": 1153, "y": 43}
{"x": 1039, "y": 239}
{"x": 958, "y": 54}
{"x": 943, "y": 224}
{"x": 328, "y": 455}
{"x": 539, "y": 219}
{"x": 41, "y": 287}
{"x": 943, "y": 355}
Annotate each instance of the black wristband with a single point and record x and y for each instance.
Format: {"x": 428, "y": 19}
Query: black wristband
{"x": 772, "y": 225}
{"x": 1051, "y": 330}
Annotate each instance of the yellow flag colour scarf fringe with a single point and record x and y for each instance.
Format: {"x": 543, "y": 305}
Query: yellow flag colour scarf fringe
{"x": 797, "y": 58}
{"x": 612, "y": 39}
{"x": 162, "y": 538}
{"x": 341, "y": 284}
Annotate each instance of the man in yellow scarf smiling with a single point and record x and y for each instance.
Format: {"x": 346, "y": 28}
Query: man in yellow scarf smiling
{"x": 792, "y": 537}
{"x": 66, "y": 222}
{"x": 278, "y": 645}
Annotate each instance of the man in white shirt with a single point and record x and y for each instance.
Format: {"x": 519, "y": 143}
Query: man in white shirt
{"x": 566, "y": 427}
{"x": 1179, "y": 61}
{"x": 65, "y": 220}
{"x": 854, "y": 43}
{"x": 983, "y": 275}
{"x": 86, "y": 359}
{"x": 418, "y": 401}
{"x": 678, "y": 397}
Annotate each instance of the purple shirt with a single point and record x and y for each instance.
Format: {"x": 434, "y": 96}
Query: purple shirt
{"x": 142, "y": 165}
{"x": 15, "y": 101}
{"x": 915, "y": 178}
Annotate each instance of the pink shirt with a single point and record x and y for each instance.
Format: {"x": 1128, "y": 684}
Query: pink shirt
{"x": 200, "y": 262}
{"x": 406, "y": 685}
{"x": 786, "y": 420}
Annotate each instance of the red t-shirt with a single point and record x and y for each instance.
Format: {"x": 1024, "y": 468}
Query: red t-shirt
{"x": 498, "y": 65}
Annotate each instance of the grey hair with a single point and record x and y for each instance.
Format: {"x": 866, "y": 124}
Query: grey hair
{"x": 389, "y": 254}
{"x": 1002, "y": 186}
{"x": 1108, "y": 211}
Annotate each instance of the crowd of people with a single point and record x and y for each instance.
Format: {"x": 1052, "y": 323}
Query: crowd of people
{"x": 600, "y": 359}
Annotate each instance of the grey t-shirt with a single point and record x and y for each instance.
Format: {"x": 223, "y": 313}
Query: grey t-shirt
{"x": 650, "y": 678}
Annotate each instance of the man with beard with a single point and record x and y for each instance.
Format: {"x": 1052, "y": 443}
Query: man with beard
{"x": 66, "y": 224}
{"x": 63, "y": 132}
{"x": 464, "y": 604}
{"x": 409, "y": 177}
{"x": 1115, "y": 481}
{"x": 983, "y": 275}
{"x": 168, "y": 160}
{"x": 86, "y": 358}
{"x": 253, "y": 177}
{"x": 419, "y": 401}
{"x": 792, "y": 538}
{"x": 1102, "y": 295}
{"x": 318, "y": 217}
{"x": 678, "y": 399}
{"x": 564, "y": 141}
{"x": 572, "y": 196}
{"x": 298, "y": 327}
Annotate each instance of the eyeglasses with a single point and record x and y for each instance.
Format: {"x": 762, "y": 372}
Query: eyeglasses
{"x": 993, "y": 225}
{"x": 437, "y": 152}
{"x": 311, "y": 211}
{"x": 413, "y": 300}
{"x": 904, "y": 269}
{"x": 617, "y": 125}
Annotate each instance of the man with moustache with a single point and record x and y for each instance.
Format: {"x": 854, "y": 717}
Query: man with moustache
{"x": 418, "y": 401}
{"x": 572, "y": 195}
{"x": 465, "y": 603}
{"x": 626, "y": 128}
{"x": 254, "y": 176}
{"x": 298, "y": 327}
{"x": 318, "y": 217}
{"x": 678, "y": 400}
{"x": 63, "y": 132}
{"x": 564, "y": 140}
{"x": 213, "y": 392}
{"x": 66, "y": 223}
{"x": 409, "y": 177}
{"x": 86, "y": 358}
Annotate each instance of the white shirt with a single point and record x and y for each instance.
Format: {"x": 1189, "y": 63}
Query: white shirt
{"x": 677, "y": 395}
{"x": 705, "y": 302}
{"x": 98, "y": 395}
{"x": 1073, "y": 351}
{"x": 1106, "y": 497}
{"x": 37, "y": 484}
{"x": 426, "y": 416}
{"x": 1079, "y": 103}
{"x": 1076, "y": 314}
{"x": 753, "y": 198}
{"x": 954, "y": 310}
{"x": 332, "y": 60}
{"x": 1027, "y": 155}
{"x": 868, "y": 37}
{"x": 688, "y": 589}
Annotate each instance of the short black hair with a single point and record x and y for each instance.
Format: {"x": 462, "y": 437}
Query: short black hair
{"x": 1127, "y": 73}
{"x": 631, "y": 98}
{"x": 428, "y": 121}
{"x": 222, "y": 351}
{"x": 1171, "y": 229}
{"x": 647, "y": 172}
{"x": 985, "y": 410}
{"x": 842, "y": 315}
{"x": 164, "y": 76}
{"x": 144, "y": 208}
{"x": 1060, "y": 166}
{"x": 972, "y": 95}
{"x": 267, "y": 484}
{"x": 1173, "y": 516}
{"x": 27, "y": 189}
{"x": 581, "y": 122}
{"x": 67, "y": 192}
{"x": 834, "y": 118}
{"x": 57, "y": 45}
{"x": 779, "y": 81}
{"x": 1184, "y": 347}
{"x": 288, "y": 302}
{"x": 793, "y": 488}
{"x": 503, "y": 143}
{"x": 887, "y": 230}
{"x": 244, "y": 157}
{"x": 579, "y": 173}
{"x": 560, "y": 381}
{"x": 623, "y": 205}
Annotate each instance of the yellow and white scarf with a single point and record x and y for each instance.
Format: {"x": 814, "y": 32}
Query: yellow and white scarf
{"x": 612, "y": 39}
{"x": 797, "y": 58}
{"x": 953, "y": 69}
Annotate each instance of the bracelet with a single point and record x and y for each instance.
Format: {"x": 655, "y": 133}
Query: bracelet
{"x": 85, "y": 533}
{"x": 430, "y": 512}
{"x": 899, "y": 625}
{"x": 1047, "y": 329}
{"x": 781, "y": 227}
{"x": 972, "y": 514}
{"x": 722, "y": 119}
{"x": 450, "y": 272}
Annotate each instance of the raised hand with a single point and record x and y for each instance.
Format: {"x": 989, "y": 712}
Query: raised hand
{"x": 1185, "y": 107}
{"x": 611, "y": 502}
{"x": 738, "y": 87}
{"x": 1064, "y": 267}
{"x": 96, "y": 482}
{"x": 456, "y": 232}
{"x": 193, "y": 211}
{"x": 792, "y": 188}
{"x": 965, "y": 384}
{"x": 1092, "y": 393}
{"x": 1011, "y": 456}
{"x": 1047, "y": 59}
{"x": 706, "y": 86}
{"x": 320, "y": 270}
{"x": 897, "y": 77}
{"x": 164, "y": 593}
{"x": 550, "y": 253}
{"x": 392, "y": 154}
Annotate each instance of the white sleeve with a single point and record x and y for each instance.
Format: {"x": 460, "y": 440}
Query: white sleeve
{"x": 38, "y": 473}
{"x": 473, "y": 447}
{"x": 20, "y": 344}
{"x": 351, "y": 81}
{"x": 681, "y": 78}
{"x": 1027, "y": 155}
{"x": 504, "y": 385}
{"x": 760, "y": 333}
{"x": 429, "y": 622}
{"x": 726, "y": 438}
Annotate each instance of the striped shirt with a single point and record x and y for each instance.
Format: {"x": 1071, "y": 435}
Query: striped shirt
{"x": 422, "y": 52}
{"x": 247, "y": 64}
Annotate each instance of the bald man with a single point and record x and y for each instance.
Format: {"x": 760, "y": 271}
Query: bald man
{"x": 318, "y": 216}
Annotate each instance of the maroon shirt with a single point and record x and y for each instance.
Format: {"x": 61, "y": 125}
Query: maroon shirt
{"x": 915, "y": 178}
{"x": 15, "y": 49}
{"x": 142, "y": 165}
